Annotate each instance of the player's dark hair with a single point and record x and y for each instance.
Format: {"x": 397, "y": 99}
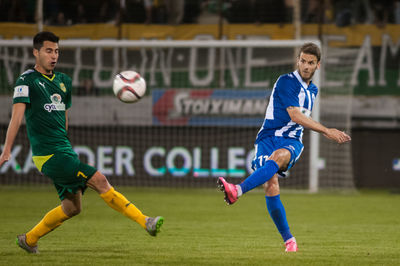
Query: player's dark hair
{"x": 310, "y": 48}
{"x": 43, "y": 36}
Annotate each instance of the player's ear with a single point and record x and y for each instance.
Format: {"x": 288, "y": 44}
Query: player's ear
{"x": 318, "y": 64}
{"x": 35, "y": 52}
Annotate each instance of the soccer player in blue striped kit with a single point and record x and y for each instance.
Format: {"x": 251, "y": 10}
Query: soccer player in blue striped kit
{"x": 279, "y": 142}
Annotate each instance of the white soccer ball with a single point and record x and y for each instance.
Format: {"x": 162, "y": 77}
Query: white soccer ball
{"x": 129, "y": 86}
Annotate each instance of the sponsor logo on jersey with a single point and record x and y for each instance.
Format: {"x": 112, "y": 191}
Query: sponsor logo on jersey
{"x": 62, "y": 87}
{"x": 21, "y": 91}
{"x": 41, "y": 84}
{"x": 56, "y": 104}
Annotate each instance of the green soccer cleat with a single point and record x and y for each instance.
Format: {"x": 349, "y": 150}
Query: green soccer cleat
{"x": 21, "y": 242}
{"x": 153, "y": 225}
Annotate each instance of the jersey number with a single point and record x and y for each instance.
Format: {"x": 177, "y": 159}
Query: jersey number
{"x": 81, "y": 174}
{"x": 262, "y": 159}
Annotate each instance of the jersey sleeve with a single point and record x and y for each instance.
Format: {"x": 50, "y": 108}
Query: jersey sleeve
{"x": 288, "y": 92}
{"x": 68, "y": 83}
{"x": 21, "y": 92}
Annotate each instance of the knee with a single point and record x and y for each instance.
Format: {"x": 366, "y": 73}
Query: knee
{"x": 71, "y": 211}
{"x": 281, "y": 157}
{"x": 271, "y": 188}
{"x": 99, "y": 183}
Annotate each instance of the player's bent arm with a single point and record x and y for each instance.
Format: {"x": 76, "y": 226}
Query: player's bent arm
{"x": 331, "y": 133}
{"x": 17, "y": 115}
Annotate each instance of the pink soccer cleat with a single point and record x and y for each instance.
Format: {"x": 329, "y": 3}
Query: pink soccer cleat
{"x": 231, "y": 194}
{"x": 291, "y": 245}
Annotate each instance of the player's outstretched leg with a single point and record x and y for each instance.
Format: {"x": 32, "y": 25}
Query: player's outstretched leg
{"x": 230, "y": 191}
{"x": 291, "y": 245}
{"x": 118, "y": 202}
{"x": 21, "y": 242}
{"x": 153, "y": 225}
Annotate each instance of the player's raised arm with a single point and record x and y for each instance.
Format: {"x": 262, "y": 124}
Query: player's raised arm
{"x": 15, "y": 122}
{"x": 331, "y": 133}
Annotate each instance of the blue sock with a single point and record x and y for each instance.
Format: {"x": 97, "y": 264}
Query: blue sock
{"x": 260, "y": 176}
{"x": 278, "y": 215}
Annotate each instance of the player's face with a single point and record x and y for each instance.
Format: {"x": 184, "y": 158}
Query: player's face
{"x": 46, "y": 57}
{"x": 307, "y": 64}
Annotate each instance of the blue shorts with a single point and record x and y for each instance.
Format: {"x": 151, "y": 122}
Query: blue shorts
{"x": 267, "y": 145}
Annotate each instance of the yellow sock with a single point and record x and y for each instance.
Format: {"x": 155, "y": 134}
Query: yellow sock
{"x": 118, "y": 202}
{"x": 50, "y": 221}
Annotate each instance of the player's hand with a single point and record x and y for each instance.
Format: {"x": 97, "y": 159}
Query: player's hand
{"x": 4, "y": 157}
{"x": 337, "y": 135}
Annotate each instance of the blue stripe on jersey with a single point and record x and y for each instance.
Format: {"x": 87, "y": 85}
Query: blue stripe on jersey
{"x": 289, "y": 90}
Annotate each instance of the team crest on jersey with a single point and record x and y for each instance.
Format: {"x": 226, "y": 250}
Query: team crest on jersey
{"x": 56, "y": 103}
{"x": 62, "y": 87}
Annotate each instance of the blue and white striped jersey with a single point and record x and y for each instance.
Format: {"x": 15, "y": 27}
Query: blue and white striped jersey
{"x": 289, "y": 90}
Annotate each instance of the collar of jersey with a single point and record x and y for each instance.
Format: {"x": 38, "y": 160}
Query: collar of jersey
{"x": 303, "y": 84}
{"x": 51, "y": 79}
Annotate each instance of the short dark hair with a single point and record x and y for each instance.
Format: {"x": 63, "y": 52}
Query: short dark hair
{"x": 311, "y": 48}
{"x": 43, "y": 36}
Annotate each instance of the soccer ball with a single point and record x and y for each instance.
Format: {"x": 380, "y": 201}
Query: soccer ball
{"x": 129, "y": 86}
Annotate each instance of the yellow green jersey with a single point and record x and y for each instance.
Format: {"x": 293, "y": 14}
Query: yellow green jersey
{"x": 47, "y": 98}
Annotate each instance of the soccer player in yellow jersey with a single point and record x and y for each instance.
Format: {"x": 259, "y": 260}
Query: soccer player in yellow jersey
{"x": 44, "y": 97}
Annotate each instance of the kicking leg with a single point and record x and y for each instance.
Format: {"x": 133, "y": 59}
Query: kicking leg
{"x": 279, "y": 159}
{"x": 118, "y": 202}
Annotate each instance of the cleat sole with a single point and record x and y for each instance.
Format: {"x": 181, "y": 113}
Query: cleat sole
{"x": 222, "y": 188}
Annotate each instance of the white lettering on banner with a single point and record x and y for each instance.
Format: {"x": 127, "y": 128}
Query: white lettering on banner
{"x": 185, "y": 105}
{"x": 106, "y": 62}
{"x": 187, "y": 161}
{"x": 215, "y": 170}
{"x": 234, "y": 70}
{"x": 13, "y": 160}
{"x": 331, "y": 61}
{"x": 148, "y": 155}
{"x": 165, "y": 66}
{"x": 235, "y": 160}
{"x": 178, "y": 161}
{"x": 238, "y": 166}
{"x": 99, "y": 68}
{"x": 77, "y": 67}
{"x": 86, "y": 152}
{"x": 197, "y": 170}
{"x": 104, "y": 159}
{"x": 365, "y": 52}
{"x": 387, "y": 41}
{"x": 250, "y": 63}
{"x": 123, "y": 160}
{"x": 193, "y": 64}
{"x": 143, "y": 62}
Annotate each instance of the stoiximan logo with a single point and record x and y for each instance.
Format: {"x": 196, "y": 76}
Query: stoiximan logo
{"x": 56, "y": 104}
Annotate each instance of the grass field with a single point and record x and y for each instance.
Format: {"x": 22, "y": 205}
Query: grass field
{"x": 331, "y": 229}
